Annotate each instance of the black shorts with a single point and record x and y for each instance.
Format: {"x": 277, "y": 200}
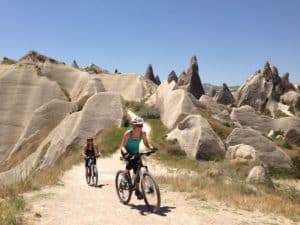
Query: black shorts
{"x": 132, "y": 164}
{"x": 86, "y": 161}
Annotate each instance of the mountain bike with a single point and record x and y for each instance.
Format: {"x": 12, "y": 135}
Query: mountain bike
{"x": 149, "y": 187}
{"x": 91, "y": 173}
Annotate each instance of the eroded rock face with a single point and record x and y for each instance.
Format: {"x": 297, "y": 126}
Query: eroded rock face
{"x": 182, "y": 79}
{"x": 260, "y": 175}
{"x": 43, "y": 120}
{"x": 102, "y": 110}
{"x": 22, "y": 90}
{"x": 36, "y": 57}
{"x": 132, "y": 87}
{"x": 261, "y": 88}
{"x": 266, "y": 151}
{"x": 196, "y": 137}
{"x": 172, "y": 76}
{"x": 224, "y": 96}
{"x": 173, "y": 104}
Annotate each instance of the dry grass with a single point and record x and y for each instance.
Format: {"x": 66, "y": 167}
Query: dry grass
{"x": 222, "y": 181}
{"x": 222, "y": 129}
{"x": 108, "y": 140}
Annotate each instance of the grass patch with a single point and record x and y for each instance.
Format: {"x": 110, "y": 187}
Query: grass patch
{"x": 222, "y": 129}
{"x": 108, "y": 140}
{"x": 11, "y": 208}
{"x": 142, "y": 110}
{"x": 221, "y": 180}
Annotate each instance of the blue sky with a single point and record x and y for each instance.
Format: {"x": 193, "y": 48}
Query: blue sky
{"x": 231, "y": 38}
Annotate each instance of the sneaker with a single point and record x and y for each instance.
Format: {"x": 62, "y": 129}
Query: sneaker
{"x": 139, "y": 195}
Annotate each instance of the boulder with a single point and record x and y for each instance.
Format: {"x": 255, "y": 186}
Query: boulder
{"x": 172, "y": 76}
{"x": 260, "y": 175}
{"x": 224, "y": 96}
{"x": 173, "y": 104}
{"x": 149, "y": 74}
{"x": 241, "y": 152}
{"x": 196, "y": 137}
{"x": 292, "y": 137}
{"x": 292, "y": 98}
{"x": 218, "y": 111}
{"x": 247, "y": 117}
{"x": 266, "y": 151}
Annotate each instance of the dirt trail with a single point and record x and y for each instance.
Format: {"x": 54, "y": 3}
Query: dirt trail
{"x": 75, "y": 202}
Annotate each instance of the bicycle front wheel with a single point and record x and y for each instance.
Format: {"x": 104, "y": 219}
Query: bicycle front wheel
{"x": 95, "y": 176}
{"x": 150, "y": 191}
{"x": 123, "y": 187}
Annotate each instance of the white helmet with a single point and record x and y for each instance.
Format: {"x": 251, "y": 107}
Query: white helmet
{"x": 137, "y": 121}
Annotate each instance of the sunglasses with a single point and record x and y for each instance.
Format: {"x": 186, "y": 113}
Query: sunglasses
{"x": 139, "y": 125}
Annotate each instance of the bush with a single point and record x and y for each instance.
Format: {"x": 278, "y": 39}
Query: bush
{"x": 144, "y": 111}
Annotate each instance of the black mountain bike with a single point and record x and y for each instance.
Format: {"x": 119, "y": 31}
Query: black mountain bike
{"x": 149, "y": 187}
{"x": 91, "y": 174}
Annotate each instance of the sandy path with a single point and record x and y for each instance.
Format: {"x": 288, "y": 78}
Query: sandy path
{"x": 75, "y": 202}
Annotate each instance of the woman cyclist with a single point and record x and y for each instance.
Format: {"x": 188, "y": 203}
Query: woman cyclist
{"x": 131, "y": 145}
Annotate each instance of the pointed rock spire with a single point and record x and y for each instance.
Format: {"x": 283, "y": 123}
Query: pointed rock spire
{"x": 195, "y": 86}
{"x": 225, "y": 96}
{"x": 172, "y": 76}
{"x": 149, "y": 73}
{"x": 157, "y": 80}
{"x": 74, "y": 64}
{"x": 182, "y": 78}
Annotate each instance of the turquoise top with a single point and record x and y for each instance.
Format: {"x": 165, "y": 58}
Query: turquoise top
{"x": 133, "y": 146}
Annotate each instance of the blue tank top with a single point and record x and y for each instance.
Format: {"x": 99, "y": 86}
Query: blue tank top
{"x": 133, "y": 146}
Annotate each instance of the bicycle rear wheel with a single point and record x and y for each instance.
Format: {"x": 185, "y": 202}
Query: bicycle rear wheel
{"x": 123, "y": 187}
{"x": 150, "y": 191}
{"x": 88, "y": 176}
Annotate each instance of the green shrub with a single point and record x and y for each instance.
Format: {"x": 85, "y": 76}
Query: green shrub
{"x": 142, "y": 110}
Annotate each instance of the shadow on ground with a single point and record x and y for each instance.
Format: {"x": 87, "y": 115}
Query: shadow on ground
{"x": 144, "y": 210}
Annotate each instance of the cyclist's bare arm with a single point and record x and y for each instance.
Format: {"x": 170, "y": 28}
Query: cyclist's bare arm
{"x": 98, "y": 152}
{"x": 124, "y": 142}
{"x": 145, "y": 140}
{"x": 83, "y": 152}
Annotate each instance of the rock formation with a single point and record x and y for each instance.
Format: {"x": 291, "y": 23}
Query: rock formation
{"x": 212, "y": 92}
{"x": 260, "y": 175}
{"x": 172, "y": 76}
{"x": 74, "y": 64}
{"x": 241, "y": 152}
{"x": 149, "y": 74}
{"x": 196, "y": 137}
{"x": 173, "y": 104}
{"x": 157, "y": 80}
{"x": 224, "y": 96}
{"x": 182, "y": 78}
{"x": 194, "y": 85}
{"x": 94, "y": 69}
{"x": 34, "y": 56}
{"x": 287, "y": 86}
{"x": 266, "y": 151}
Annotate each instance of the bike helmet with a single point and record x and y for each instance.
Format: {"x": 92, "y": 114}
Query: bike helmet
{"x": 137, "y": 121}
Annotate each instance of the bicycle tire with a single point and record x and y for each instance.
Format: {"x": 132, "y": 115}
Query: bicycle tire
{"x": 156, "y": 206}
